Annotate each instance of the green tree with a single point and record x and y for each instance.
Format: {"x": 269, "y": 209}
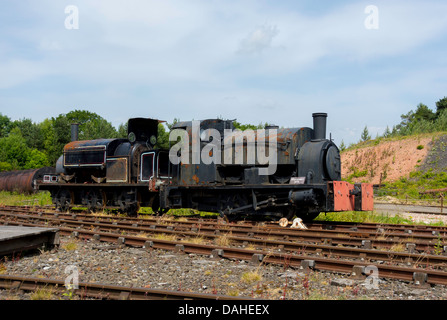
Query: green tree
{"x": 16, "y": 155}
{"x": 163, "y": 137}
{"x": 97, "y": 129}
{"x": 242, "y": 127}
{"x": 13, "y": 149}
{"x": 122, "y": 131}
{"x": 365, "y": 134}
{"x": 56, "y": 132}
{"x": 441, "y": 105}
{"x": 423, "y": 113}
{"x": 387, "y": 132}
{"x": 91, "y": 125}
{"x": 170, "y": 125}
{"x": 35, "y": 159}
{"x": 31, "y": 132}
{"x": 5, "y": 125}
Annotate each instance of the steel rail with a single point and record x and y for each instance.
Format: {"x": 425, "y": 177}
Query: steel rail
{"x": 349, "y": 227}
{"x": 105, "y": 291}
{"x": 258, "y": 256}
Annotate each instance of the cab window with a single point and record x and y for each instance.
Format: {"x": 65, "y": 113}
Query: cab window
{"x": 147, "y": 166}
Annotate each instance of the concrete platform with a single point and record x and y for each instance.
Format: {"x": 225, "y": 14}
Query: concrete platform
{"x": 17, "y": 239}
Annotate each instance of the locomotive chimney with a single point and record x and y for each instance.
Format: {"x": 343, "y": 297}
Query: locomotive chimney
{"x": 319, "y": 125}
{"x": 74, "y": 131}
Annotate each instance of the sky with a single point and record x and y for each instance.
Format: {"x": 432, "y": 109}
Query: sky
{"x": 365, "y": 63}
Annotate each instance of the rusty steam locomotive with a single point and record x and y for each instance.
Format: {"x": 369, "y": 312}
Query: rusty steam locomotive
{"x": 277, "y": 173}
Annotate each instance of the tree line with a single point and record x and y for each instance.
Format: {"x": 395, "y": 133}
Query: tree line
{"x": 25, "y": 144}
{"x": 421, "y": 120}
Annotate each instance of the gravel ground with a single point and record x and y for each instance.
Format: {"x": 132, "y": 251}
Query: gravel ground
{"x": 159, "y": 269}
{"x": 436, "y": 159}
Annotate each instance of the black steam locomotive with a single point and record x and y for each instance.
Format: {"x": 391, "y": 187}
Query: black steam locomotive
{"x": 209, "y": 167}
{"x": 305, "y": 179}
{"x": 109, "y": 172}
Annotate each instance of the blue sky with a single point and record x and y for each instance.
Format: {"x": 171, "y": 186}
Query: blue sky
{"x": 254, "y": 61}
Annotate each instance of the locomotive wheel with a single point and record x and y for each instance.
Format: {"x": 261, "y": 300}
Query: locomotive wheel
{"x": 132, "y": 210}
{"x": 96, "y": 200}
{"x": 64, "y": 200}
{"x": 128, "y": 205}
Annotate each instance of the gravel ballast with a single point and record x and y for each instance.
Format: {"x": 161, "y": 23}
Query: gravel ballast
{"x": 106, "y": 263}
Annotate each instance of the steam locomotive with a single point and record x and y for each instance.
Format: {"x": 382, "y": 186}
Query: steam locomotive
{"x": 210, "y": 166}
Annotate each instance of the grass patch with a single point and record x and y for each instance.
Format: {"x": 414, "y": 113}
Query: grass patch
{"x": 2, "y": 268}
{"x": 70, "y": 245}
{"x": 196, "y": 240}
{"x": 183, "y": 212}
{"x": 164, "y": 236}
{"x": 250, "y": 277}
{"x": 41, "y": 198}
{"x": 417, "y": 182}
{"x": 42, "y": 294}
{"x": 363, "y": 217}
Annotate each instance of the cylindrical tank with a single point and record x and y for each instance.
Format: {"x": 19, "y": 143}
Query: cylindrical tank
{"x": 22, "y": 180}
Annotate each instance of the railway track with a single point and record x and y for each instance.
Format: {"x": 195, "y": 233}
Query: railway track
{"x": 367, "y": 236}
{"x": 104, "y": 291}
{"x": 332, "y": 247}
{"x": 204, "y": 224}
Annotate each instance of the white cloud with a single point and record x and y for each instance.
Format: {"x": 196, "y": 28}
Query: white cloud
{"x": 258, "y": 40}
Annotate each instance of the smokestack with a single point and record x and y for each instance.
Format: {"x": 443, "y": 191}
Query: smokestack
{"x": 74, "y": 131}
{"x": 319, "y": 125}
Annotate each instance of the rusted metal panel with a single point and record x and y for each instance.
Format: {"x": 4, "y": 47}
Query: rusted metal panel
{"x": 349, "y": 197}
{"x": 88, "y": 156}
{"x": 90, "y": 153}
{"x": 288, "y": 141}
{"x": 75, "y": 145}
{"x": 367, "y": 197}
{"x": 23, "y": 180}
{"x": 117, "y": 170}
{"x": 343, "y": 199}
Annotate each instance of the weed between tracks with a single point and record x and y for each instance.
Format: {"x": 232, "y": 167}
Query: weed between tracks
{"x": 224, "y": 239}
{"x": 42, "y": 294}
{"x": 71, "y": 245}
